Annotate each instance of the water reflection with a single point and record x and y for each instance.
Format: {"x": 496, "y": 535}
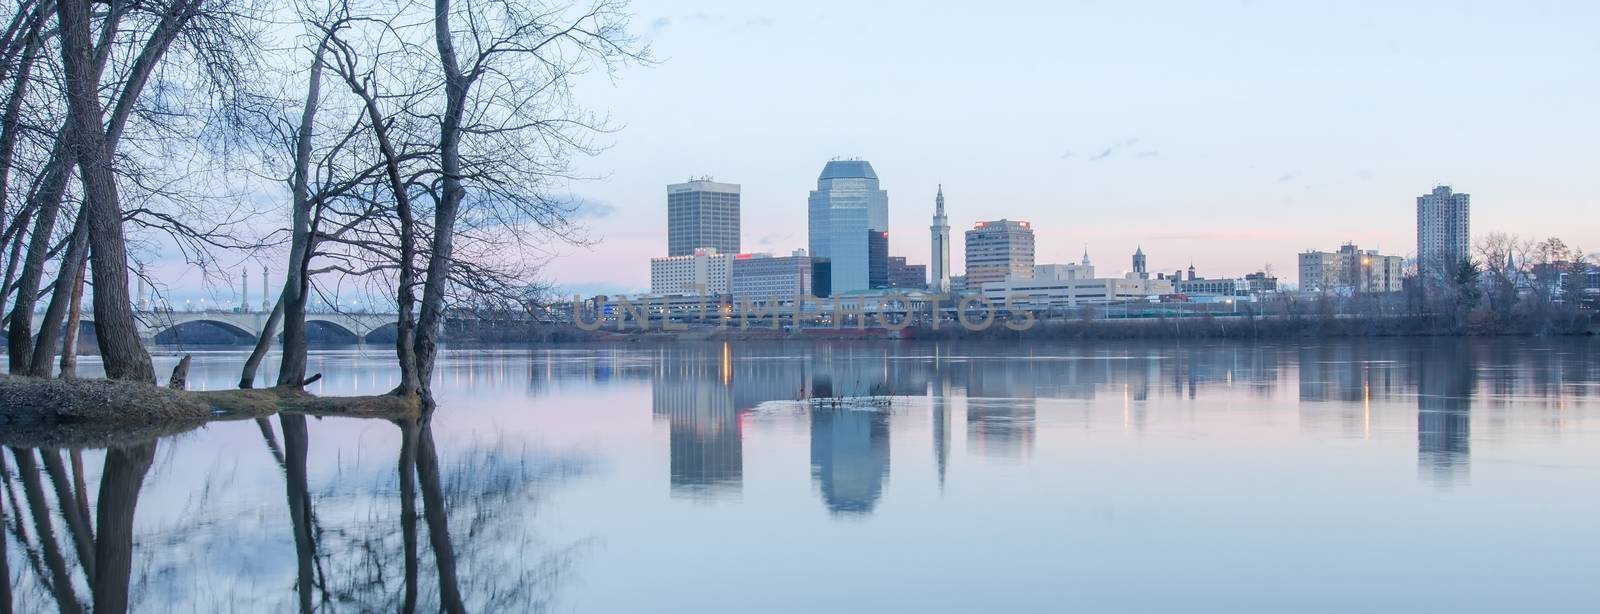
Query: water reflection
{"x": 796, "y": 444}
{"x": 479, "y": 555}
{"x": 1445, "y": 382}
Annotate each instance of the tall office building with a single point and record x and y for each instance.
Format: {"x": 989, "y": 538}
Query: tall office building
{"x": 941, "y": 246}
{"x": 1443, "y": 232}
{"x": 845, "y": 211}
{"x": 999, "y": 250}
{"x": 702, "y": 213}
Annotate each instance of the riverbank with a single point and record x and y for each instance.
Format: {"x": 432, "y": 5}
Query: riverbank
{"x": 37, "y": 412}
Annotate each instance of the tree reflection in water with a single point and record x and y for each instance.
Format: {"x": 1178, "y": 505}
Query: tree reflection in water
{"x": 482, "y": 555}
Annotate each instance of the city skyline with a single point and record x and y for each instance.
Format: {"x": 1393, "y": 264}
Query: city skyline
{"x": 1232, "y": 156}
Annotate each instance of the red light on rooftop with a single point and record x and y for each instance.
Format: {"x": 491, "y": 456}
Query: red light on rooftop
{"x": 742, "y": 257}
{"x": 886, "y": 235}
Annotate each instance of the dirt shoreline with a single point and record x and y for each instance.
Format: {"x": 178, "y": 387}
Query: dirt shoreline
{"x": 36, "y": 412}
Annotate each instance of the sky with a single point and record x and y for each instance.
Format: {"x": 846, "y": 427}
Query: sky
{"x": 1228, "y": 134}
{"x": 1231, "y": 134}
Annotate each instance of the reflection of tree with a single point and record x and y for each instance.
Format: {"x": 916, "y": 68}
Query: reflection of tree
{"x": 103, "y": 552}
{"x": 475, "y": 506}
{"x": 474, "y": 511}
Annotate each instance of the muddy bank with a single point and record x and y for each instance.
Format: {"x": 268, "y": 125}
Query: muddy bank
{"x": 51, "y": 413}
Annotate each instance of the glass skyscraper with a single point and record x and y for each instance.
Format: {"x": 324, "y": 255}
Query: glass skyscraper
{"x": 847, "y": 212}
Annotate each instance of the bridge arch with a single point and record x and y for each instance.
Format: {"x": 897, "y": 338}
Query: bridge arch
{"x": 203, "y": 331}
{"x": 385, "y": 333}
{"x": 327, "y": 330}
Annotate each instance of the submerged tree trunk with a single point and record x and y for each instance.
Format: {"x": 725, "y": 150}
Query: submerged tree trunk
{"x": 247, "y": 376}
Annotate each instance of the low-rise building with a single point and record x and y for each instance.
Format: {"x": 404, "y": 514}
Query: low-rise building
{"x": 705, "y": 272}
{"x": 1064, "y": 289}
{"x": 1350, "y": 270}
{"x": 902, "y": 275}
{"x": 765, "y": 277}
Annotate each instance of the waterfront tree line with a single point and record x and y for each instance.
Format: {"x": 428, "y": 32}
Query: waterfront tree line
{"x": 421, "y": 149}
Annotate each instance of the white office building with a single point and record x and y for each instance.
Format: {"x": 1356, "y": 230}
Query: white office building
{"x": 1073, "y": 285}
{"x": 705, "y": 272}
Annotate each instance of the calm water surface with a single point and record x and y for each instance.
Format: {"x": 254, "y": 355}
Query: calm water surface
{"x": 1376, "y": 476}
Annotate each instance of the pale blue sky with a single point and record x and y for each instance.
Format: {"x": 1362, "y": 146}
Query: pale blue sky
{"x": 1232, "y": 133}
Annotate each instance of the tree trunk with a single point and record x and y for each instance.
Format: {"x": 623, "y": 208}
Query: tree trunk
{"x": 431, "y": 316}
{"x": 47, "y": 207}
{"x": 296, "y": 283}
{"x": 72, "y": 264}
{"x": 115, "y": 326}
{"x": 69, "y": 339}
{"x": 120, "y": 483}
{"x": 12, "y": 257}
{"x": 10, "y": 124}
{"x": 247, "y": 376}
{"x": 405, "y": 292}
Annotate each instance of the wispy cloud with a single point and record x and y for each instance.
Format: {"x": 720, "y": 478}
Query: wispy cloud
{"x": 1118, "y": 149}
{"x": 773, "y": 239}
{"x": 1289, "y": 176}
{"x": 589, "y": 208}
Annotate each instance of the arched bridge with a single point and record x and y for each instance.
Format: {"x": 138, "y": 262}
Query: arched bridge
{"x": 247, "y": 324}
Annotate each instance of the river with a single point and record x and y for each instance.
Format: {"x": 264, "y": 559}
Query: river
{"x": 1331, "y": 476}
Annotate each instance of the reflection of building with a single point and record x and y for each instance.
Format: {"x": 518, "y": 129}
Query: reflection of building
{"x": 941, "y": 427}
{"x": 1445, "y": 384}
{"x": 844, "y": 210}
{"x": 1002, "y": 406}
{"x": 702, "y": 213}
{"x": 706, "y": 271}
{"x": 705, "y": 447}
{"x": 999, "y": 250}
{"x": 849, "y": 457}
